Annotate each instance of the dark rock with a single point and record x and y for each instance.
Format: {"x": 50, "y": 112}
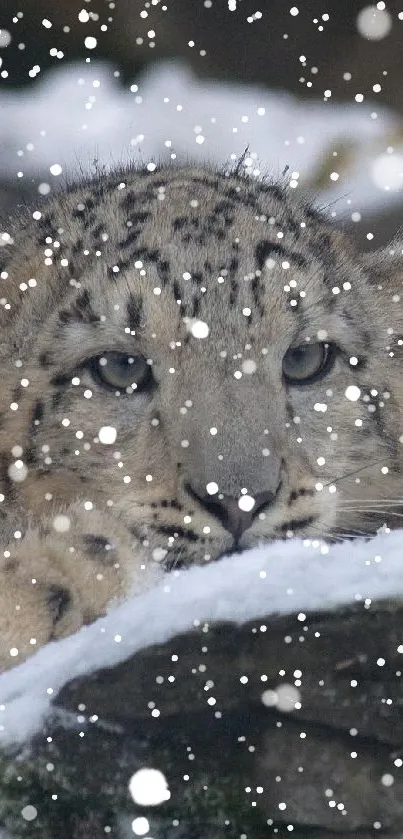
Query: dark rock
{"x": 193, "y": 709}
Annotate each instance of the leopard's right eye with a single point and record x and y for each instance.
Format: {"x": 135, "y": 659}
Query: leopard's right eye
{"x": 306, "y": 363}
{"x": 121, "y": 372}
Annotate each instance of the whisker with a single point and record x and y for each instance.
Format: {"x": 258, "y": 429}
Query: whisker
{"x": 380, "y": 498}
{"x": 374, "y": 501}
{"x": 354, "y": 531}
{"x": 374, "y": 510}
{"x": 354, "y": 472}
{"x": 337, "y": 532}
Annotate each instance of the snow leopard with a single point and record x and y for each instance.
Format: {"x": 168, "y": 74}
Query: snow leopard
{"x": 193, "y": 362}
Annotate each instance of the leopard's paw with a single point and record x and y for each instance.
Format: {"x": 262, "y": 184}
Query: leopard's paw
{"x": 37, "y": 603}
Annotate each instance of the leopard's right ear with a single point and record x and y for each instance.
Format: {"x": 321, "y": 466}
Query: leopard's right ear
{"x": 384, "y": 268}
{"x": 384, "y": 272}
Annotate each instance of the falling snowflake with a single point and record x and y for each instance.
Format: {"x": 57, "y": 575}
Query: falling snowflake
{"x": 374, "y": 23}
{"x": 107, "y": 435}
{"x": 148, "y": 787}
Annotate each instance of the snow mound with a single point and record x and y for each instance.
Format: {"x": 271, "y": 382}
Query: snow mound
{"x": 280, "y": 578}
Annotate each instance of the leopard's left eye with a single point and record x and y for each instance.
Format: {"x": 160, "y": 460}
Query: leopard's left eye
{"x": 119, "y": 371}
{"x": 306, "y": 363}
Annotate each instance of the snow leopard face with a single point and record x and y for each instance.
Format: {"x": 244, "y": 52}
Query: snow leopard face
{"x": 203, "y": 360}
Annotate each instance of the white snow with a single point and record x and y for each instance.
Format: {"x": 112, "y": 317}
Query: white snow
{"x": 148, "y": 787}
{"x": 80, "y": 113}
{"x": 280, "y": 578}
{"x": 373, "y": 23}
{"x": 107, "y": 434}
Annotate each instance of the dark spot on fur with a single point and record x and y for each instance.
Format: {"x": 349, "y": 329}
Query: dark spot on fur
{"x": 137, "y": 221}
{"x": 38, "y": 412}
{"x": 83, "y": 300}
{"x": 11, "y": 566}
{"x": 297, "y": 524}
{"x": 131, "y": 238}
{"x": 81, "y": 311}
{"x": 85, "y": 213}
{"x": 44, "y": 359}
{"x": 134, "y": 308}
{"x": 257, "y": 294}
{"x": 300, "y": 493}
{"x": 163, "y": 270}
{"x": 362, "y": 363}
{"x": 98, "y": 547}
{"x": 121, "y": 265}
{"x": 152, "y": 254}
{"x": 293, "y": 225}
{"x": 234, "y": 292}
{"x": 140, "y": 218}
{"x": 179, "y": 223}
{"x": 376, "y": 416}
{"x": 266, "y": 249}
{"x": 57, "y": 398}
{"x": 275, "y": 190}
{"x": 58, "y": 600}
{"x": 78, "y": 246}
{"x": 60, "y": 380}
{"x": 175, "y": 504}
{"x": 396, "y": 346}
{"x": 232, "y": 193}
{"x": 129, "y": 200}
{"x": 195, "y": 307}
{"x": 96, "y": 232}
{"x": 223, "y": 206}
{"x": 48, "y": 227}
{"x": 30, "y": 456}
{"x": 223, "y": 210}
{"x": 313, "y": 214}
{"x": 6, "y": 481}
{"x": 180, "y": 532}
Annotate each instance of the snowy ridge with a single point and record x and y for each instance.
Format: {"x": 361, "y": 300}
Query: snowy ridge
{"x": 280, "y": 578}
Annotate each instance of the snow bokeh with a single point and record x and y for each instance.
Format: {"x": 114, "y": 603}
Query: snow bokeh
{"x": 387, "y": 171}
{"x": 78, "y": 114}
{"x": 107, "y": 435}
{"x": 140, "y": 826}
{"x": 148, "y": 787}
{"x": 290, "y": 577}
{"x": 374, "y": 22}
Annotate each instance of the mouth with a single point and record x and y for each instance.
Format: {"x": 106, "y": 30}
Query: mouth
{"x": 236, "y": 548}
{"x": 179, "y": 557}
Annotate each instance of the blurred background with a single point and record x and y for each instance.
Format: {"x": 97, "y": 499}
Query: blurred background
{"x": 315, "y": 87}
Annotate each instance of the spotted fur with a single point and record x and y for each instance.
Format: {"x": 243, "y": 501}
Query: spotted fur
{"x": 125, "y": 264}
